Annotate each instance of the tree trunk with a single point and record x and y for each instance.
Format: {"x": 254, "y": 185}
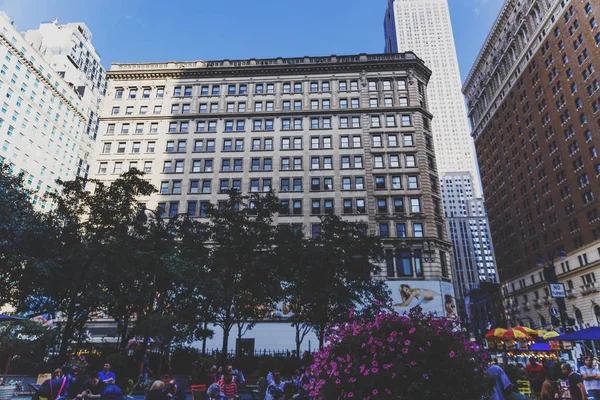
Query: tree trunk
{"x": 225, "y": 348}
{"x": 298, "y": 340}
{"x": 204, "y": 339}
{"x": 67, "y": 334}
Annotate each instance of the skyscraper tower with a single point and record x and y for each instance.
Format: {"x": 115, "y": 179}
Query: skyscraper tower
{"x": 423, "y": 26}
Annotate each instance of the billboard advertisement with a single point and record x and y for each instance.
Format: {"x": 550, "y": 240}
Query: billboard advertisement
{"x": 432, "y": 296}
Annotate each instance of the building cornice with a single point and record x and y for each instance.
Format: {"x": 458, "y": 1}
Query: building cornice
{"x": 270, "y": 66}
{"x": 276, "y": 115}
{"x": 16, "y": 52}
{"x": 490, "y": 42}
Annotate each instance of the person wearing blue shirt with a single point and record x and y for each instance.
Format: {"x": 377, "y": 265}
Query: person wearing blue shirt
{"x": 107, "y": 376}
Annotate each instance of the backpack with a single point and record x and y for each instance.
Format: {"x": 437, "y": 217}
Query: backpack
{"x": 112, "y": 392}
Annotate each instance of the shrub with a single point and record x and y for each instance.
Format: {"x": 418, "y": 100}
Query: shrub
{"x": 408, "y": 357}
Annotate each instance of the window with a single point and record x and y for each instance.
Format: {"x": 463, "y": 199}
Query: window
{"x": 355, "y": 103}
{"x": 119, "y": 94}
{"x": 177, "y": 91}
{"x": 418, "y": 230}
{"x": 106, "y": 148}
{"x": 394, "y": 161}
{"x": 375, "y": 122}
{"x": 115, "y": 110}
{"x": 373, "y": 103}
{"x": 157, "y": 109}
{"x": 147, "y": 166}
{"x": 408, "y": 140}
{"x": 102, "y": 168}
{"x": 384, "y": 230}
{"x": 121, "y": 147}
{"x": 382, "y": 206}
{"x": 390, "y": 121}
{"x": 406, "y": 120}
{"x": 413, "y": 182}
{"x": 132, "y": 93}
{"x": 372, "y": 86}
{"x": 398, "y": 205}
{"x": 297, "y": 87}
{"x": 206, "y": 186}
{"x": 150, "y": 147}
{"x": 415, "y": 205}
{"x": 403, "y": 102}
{"x": 378, "y": 161}
{"x": 160, "y": 92}
{"x": 400, "y": 230}
{"x": 396, "y": 182}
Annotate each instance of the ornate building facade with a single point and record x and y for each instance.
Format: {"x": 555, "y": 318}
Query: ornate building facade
{"x": 533, "y": 98}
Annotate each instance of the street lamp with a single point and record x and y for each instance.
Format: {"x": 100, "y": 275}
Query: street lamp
{"x": 550, "y": 276}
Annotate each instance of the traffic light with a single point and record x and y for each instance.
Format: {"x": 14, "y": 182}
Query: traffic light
{"x": 550, "y": 274}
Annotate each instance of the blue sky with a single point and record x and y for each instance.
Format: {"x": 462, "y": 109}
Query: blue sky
{"x": 159, "y": 30}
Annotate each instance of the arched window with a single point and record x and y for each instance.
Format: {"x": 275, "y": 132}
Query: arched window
{"x": 578, "y": 316}
{"x": 597, "y": 313}
{"x": 542, "y": 321}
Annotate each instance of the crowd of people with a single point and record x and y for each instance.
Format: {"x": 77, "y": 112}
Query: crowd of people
{"x": 574, "y": 385}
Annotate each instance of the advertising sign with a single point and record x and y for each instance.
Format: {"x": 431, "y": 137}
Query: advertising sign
{"x": 432, "y": 296}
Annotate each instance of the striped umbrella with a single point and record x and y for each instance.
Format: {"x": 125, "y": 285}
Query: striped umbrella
{"x": 495, "y": 333}
{"x": 527, "y": 331}
{"x": 514, "y": 334}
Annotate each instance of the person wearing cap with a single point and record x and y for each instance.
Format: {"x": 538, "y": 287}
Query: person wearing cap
{"x": 591, "y": 378}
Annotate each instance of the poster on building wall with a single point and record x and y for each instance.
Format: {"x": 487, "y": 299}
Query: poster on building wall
{"x": 431, "y": 296}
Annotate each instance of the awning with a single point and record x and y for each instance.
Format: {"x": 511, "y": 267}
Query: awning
{"x": 584, "y": 334}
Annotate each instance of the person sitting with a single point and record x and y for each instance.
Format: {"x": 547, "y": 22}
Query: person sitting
{"x": 275, "y": 388}
{"x": 174, "y": 391}
{"x": 53, "y": 388}
{"x": 156, "y": 391}
{"x": 228, "y": 386}
{"x": 93, "y": 389}
{"x": 106, "y": 375}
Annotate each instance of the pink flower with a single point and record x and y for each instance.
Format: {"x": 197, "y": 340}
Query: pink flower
{"x": 425, "y": 376}
{"x": 388, "y": 391}
{"x": 406, "y": 343}
{"x": 352, "y": 380}
{"x": 375, "y": 392}
{"x": 452, "y": 354}
{"x": 405, "y": 351}
{"x": 337, "y": 382}
{"x": 351, "y": 394}
{"x": 375, "y": 370}
{"x": 412, "y": 330}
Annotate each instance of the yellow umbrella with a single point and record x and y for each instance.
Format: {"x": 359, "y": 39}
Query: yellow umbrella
{"x": 550, "y": 335}
{"x": 541, "y": 332}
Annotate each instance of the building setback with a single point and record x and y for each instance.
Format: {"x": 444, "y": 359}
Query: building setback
{"x": 533, "y": 98}
{"x": 346, "y": 135}
{"x": 42, "y": 119}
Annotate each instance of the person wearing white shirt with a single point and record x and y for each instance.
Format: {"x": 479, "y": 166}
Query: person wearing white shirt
{"x": 591, "y": 378}
{"x": 275, "y": 388}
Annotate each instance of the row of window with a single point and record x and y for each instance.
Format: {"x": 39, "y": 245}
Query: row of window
{"x": 317, "y": 184}
{"x": 266, "y": 144}
{"x": 259, "y": 88}
{"x": 317, "y": 207}
{"x": 266, "y": 124}
{"x": 259, "y": 106}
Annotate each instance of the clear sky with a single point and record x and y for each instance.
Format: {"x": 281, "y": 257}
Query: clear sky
{"x": 162, "y": 30}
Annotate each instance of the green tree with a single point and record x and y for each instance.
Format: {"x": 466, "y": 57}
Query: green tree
{"x": 241, "y": 277}
{"x": 19, "y": 230}
{"x": 334, "y": 277}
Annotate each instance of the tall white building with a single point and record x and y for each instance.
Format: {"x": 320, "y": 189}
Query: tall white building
{"x": 42, "y": 117}
{"x": 424, "y": 27}
{"x": 69, "y": 51}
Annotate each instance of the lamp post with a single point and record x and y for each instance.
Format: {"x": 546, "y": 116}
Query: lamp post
{"x": 551, "y": 278}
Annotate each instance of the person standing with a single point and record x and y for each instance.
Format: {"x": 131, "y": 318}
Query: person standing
{"x": 591, "y": 378}
{"x": 536, "y": 375}
{"x": 144, "y": 371}
{"x": 501, "y": 382}
{"x": 275, "y": 388}
{"x": 575, "y": 381}
{"x": 107, "y": 376}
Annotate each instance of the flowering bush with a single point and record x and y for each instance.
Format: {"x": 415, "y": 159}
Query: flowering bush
{"x": 405, "y": 357}
{"x": 77, "y": 362}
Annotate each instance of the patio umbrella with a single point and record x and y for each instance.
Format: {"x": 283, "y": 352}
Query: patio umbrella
{"x": 550, "y": 335}
{"x": 514, "y": 334}
{"x": 526, "y": 330}
{"x": 495, "y": 333}
{"x": 541, "y": 332}
{"x": 4, "y": 318}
